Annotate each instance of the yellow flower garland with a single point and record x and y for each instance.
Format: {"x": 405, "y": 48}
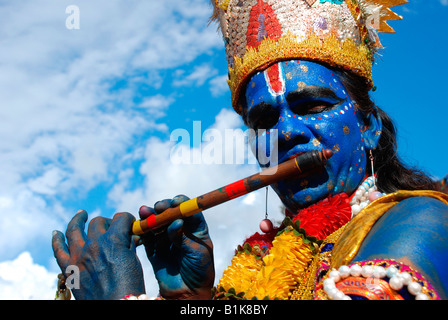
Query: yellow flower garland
{"x": 275, "y": 275}
{"x": 241, "y": 273}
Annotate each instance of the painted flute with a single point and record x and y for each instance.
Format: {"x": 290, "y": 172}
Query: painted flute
{"x": 299, "y": 166}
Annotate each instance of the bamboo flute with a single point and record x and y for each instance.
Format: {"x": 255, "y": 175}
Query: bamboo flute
{"x": 299, "y": 166}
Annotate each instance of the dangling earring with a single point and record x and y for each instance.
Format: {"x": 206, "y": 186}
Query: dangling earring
{"x": 367, "y": 192}
{"x": 372, "y": 168}
{"x": 374, "y": 194}
{"x": 266, "y": 225}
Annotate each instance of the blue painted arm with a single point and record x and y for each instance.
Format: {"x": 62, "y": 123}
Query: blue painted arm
{"x": 414, "y": 232}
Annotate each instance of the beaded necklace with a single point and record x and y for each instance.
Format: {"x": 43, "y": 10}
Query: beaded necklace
{"x": 367, "y": 192}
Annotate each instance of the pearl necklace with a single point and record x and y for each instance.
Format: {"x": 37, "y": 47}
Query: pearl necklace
{"x": 366, "y": 193}
{"x": 397, "y": 280}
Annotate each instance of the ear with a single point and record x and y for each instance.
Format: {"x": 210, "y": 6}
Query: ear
{"x": 373, "y": 128}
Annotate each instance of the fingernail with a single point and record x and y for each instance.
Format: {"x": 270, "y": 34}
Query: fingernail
{"x": 144, "y": 212}
{"x": 55, "y": 232}
{"x": 80, "y": 211}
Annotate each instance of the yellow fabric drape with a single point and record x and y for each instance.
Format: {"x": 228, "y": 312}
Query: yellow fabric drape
{"x": 349, "y": 242}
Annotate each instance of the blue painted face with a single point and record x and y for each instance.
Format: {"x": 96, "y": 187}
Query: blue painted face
{"x": 308, "y": 108}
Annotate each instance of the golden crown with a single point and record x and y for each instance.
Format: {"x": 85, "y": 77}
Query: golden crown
{"x": 340, "y": 33}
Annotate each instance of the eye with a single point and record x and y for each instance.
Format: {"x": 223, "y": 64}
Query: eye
{"x": 263, "y": 117}
{"x": 313, "y": 100}
{"x": 313, "y": 107}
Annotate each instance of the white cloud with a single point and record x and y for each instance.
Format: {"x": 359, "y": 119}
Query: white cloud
{"x": 73, "y": 109}
{"x": 197, "y": 78}
{"x": 47, "y": 183}
{"x": 156, "y": 107}
{"x": 219, "y": 86}
{"x": 73, "y": 103}
{"x": 157, "y": 102}
{"x": 22, "y": 279}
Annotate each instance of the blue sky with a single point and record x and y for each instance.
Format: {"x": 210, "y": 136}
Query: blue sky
{"x": 411, "y": 78}
{"x": 87, "y": 116}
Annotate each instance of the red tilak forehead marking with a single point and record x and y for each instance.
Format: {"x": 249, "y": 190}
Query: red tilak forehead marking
{"x": 274, "y": 79}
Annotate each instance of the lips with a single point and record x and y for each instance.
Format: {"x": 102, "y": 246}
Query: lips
{"x": 296, "y": 155}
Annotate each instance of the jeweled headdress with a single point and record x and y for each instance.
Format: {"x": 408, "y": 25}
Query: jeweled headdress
{"x": 340, "y": 33}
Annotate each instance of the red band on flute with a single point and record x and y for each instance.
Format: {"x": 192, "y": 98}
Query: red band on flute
{"x": 236, "y": 189}
{"x": 151, "y": 222}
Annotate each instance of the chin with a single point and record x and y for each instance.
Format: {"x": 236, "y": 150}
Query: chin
{"x": 301, "y": 193}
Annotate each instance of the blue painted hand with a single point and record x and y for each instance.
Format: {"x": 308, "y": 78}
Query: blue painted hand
{"x": 105, "y": 257}
{"x": 181, "y": 255}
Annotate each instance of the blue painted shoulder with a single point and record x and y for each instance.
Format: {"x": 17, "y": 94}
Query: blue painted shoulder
{"x": 415, "y": 232}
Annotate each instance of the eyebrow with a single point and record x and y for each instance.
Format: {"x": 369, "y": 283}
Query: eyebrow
{"x": 312, "y": 92}
{"x": 308, "y": 92}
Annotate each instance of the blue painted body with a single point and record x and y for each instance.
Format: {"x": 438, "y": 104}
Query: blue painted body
{"x": 414, "y": 231}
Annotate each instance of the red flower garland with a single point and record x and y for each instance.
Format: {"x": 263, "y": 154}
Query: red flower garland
{"x": 263, "y": 240}
{"x": 318, "y": 220}
{"x": 325, "y": 217}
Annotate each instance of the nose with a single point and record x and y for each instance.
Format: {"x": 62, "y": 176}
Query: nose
{"x": 292, "y": 130}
